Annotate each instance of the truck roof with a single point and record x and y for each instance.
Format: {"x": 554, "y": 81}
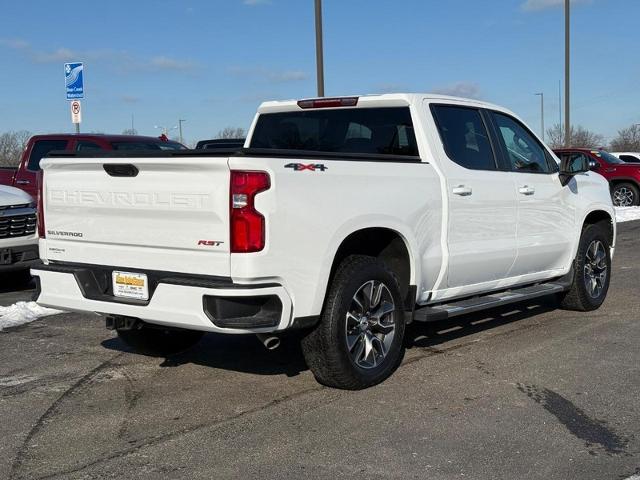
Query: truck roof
{"x": 382, "y": 100}
{"x": 103, "y": 136}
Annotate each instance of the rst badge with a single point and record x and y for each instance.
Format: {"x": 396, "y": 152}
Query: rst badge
{"x": 209, "y": 243}
{"x": 298, "y": 167}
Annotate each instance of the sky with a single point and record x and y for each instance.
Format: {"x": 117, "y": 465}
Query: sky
{"x": 211, "y": 62}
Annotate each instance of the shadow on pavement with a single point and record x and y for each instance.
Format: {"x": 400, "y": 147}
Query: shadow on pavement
{"x": 245, "y": 353}
{"x": 15, "y": 282}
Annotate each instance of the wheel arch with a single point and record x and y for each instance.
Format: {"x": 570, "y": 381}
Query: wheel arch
{"x": 604, "y": 217}
{"x": 387, "y": 244}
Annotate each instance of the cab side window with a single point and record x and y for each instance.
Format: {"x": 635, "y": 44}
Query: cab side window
{"x": 521, "y": 148}
{"x": 464, "y": 136}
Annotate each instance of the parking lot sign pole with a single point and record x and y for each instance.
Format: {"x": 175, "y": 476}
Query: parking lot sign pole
{"x": 319, "y": 52}
{"x": 567, "y": 38}
{"x": 541, "y": 95}
{"x": 76, "y": 114}
{"x": 74, "y": 84}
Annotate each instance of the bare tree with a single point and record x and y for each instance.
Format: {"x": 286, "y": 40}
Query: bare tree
{"x": 12, "y": 145}
{"x": 580, "y": 137}
{"x": 129, "y": 131}
{"x": 628, "y": 140}
{"x": 231, "y": 132}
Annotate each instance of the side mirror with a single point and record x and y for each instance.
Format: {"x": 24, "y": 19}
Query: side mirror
{"x": 571, "y": 165}
{"x": 593, "y": 165}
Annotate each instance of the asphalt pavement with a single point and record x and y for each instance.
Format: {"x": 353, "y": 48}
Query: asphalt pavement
{"x": 525, "y": 392}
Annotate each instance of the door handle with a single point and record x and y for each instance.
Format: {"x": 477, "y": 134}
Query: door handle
{"x": 462, "y": 191}
{"x": 527, "y": 190}
{"x": 23, "y": 182}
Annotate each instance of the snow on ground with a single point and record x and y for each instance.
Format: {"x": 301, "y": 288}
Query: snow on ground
{"x": 626, "y": 214}
{"x": 23, "y": 312}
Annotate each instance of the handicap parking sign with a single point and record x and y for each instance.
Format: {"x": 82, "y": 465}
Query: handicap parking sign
{"x": 74, "y": 80}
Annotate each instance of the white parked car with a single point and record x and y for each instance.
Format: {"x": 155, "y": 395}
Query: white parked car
{"x": 630, "y": 157}
{"x": 18, "y": 237}
{"x": 346, "y": 218}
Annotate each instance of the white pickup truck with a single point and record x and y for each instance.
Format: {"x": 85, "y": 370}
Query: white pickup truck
{"x": 18, "y": 237}
{"x": 344, "y": 217}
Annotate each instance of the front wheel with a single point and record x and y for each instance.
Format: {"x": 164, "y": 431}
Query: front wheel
{"x": 592, "y": 271}
{"x": 359, "y": 340}
{"x": 625, "y": 195}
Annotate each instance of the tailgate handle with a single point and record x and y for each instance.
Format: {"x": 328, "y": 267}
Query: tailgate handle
{"x": 120, "y": 169}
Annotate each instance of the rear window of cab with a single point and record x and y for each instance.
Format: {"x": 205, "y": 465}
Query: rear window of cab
{"x": 377, "y": 131}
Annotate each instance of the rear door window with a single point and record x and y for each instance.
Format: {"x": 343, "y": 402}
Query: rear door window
{"x": 377, "y": 131}
{"x": 464, "y": 136}
{"x": 630, "y": 158}
{"x": 40, "y": 149}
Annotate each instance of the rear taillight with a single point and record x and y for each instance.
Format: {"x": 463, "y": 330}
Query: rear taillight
{"x": 40, "y": 214}
{"x": 247, "y": 227}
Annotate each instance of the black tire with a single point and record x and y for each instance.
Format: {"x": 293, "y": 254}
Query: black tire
{"x": 155, "y": 342}
{"x": 625, "y": 195}
{"x": 580, "y": 297}
{"x": 325, "y": 348}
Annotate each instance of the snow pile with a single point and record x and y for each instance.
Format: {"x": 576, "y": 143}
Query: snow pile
{"x": 627, "y": 214}
{"x": 23, "y": 312}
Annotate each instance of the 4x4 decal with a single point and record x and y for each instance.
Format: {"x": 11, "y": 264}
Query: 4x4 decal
{"x": 298, "y": 167}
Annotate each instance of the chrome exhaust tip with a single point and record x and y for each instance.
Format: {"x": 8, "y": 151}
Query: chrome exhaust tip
{"x": 270, "y": 342}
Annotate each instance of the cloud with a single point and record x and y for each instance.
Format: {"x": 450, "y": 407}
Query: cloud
{"x": 129, "y": 99}
{"x": 166, "y": 63}
{"x": 266, "y": 74}
{"x": 253, "y": 3}
{"x": 287, "y": 76}
{"x": 537, "y": 5}
{"x": 460, "y": 89}
{"x": 14, "y": 43}
{"x": 390, "y": 88}
{"x": 122, "y": 60}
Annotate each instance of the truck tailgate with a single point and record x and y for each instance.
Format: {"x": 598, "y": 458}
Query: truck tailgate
{"x": 169, "y": 214}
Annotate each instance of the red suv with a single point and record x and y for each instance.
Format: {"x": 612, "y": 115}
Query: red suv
{"x": 24, "y": 177}
{"x": 624, "y": 178}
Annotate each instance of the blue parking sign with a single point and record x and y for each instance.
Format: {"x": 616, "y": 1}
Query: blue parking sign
{"x": 74, "y": 80}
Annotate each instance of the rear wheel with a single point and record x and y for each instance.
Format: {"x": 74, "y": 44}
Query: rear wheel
{"x": 359, "y": 340}
{"x": 592, "y": 271}
{"x": 625, "y": 195}
{"x": 154, "y": 341}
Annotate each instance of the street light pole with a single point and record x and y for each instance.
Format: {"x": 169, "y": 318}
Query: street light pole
{"x": 180, "y": 120}
{"x": 541, "y": 95}
{"x": 319, "y": 52}
{"x": 567, "y": 63}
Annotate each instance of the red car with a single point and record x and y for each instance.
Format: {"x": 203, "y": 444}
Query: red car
{"x": 24, "y": 177}
{"x": 623, "y": 177}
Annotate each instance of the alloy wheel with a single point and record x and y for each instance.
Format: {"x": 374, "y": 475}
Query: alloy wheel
{"x": 623, "y": 197}
{"x": 595, "y": 268}
{"x": 370, "y": 324}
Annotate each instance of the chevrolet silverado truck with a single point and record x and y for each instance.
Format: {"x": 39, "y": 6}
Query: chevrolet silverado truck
{"x": 18, "y": 237}
{"x": 344, "y": 218}
{"x": 25, "y": 175}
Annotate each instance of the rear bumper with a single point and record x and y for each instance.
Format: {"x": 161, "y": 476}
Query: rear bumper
{"x": 211, "y": 304}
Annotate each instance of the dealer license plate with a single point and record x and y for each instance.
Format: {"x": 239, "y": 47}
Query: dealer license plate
{"x": 130, "y": 285}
